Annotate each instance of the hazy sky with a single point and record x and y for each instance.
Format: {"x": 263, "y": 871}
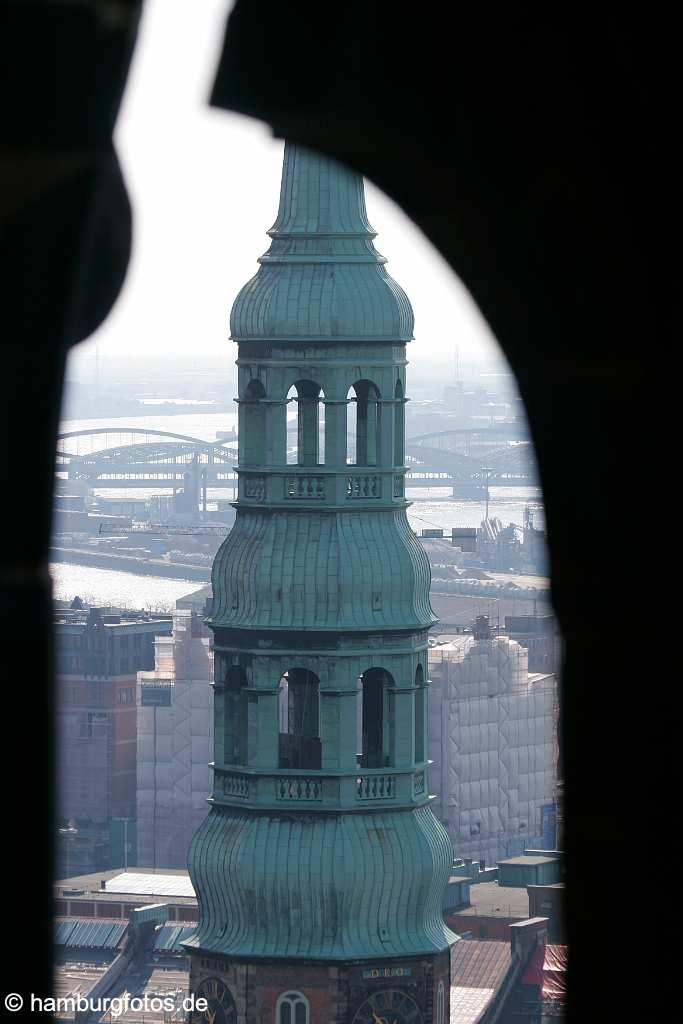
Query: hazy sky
{"x": 205, "y": 186}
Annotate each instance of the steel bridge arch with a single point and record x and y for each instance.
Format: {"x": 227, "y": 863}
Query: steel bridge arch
{"x": 148, "y": 449}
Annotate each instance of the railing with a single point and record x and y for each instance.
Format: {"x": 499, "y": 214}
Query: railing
{"x": 298, "y": 789}
{"x": 236, "y": 785}
{"x": 363, "y": 487}
{"x": 274, "y": 787}
{"x": 255, "y": 488}
{"x": 375, "y": 787}
{"x": 399, "y": 487}
{"x": 305, "y": 488}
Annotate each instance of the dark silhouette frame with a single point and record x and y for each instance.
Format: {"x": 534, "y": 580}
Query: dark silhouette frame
{"x": 527, "y": 148}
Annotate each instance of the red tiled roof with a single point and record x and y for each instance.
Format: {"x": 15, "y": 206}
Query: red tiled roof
{"x": 547, "y": 970}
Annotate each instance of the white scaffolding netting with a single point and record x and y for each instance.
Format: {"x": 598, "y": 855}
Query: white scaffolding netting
{"x": 174, "y": 744}
{"x": 493, "y": 740}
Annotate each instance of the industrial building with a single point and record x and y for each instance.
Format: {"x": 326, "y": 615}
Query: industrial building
{"x": 174, "y": 741}
{"x": 493, "y": 741}
{"x": 99, "y": 652}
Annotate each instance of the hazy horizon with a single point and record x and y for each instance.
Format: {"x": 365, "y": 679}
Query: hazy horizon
{"x": 204, "y": 185}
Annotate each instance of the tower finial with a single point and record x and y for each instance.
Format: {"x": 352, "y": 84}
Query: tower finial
{"x": 319, "y": 196}
{"x": 322, "y": 278}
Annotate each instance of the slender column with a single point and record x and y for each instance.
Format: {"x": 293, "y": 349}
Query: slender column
{"x": 335, "y": 433}
{"x": 241, "y": 432}
{"x": 263, "y": 728}
{"x": 385, "y": 423}
{"x": 338, "y": 722}
{"x": 308, "y": 431}
{"x": 276, "y": 432}
{"x": 403, "y": 733}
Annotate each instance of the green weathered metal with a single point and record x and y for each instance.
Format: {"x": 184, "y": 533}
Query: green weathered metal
{"x": 320, "y": 841}
{"x": 322, "y": 277}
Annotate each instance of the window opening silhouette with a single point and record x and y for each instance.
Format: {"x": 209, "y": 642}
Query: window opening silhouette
{"x": 420, "y": 701}
{"x": 363, "y": 424}
{"x": 373, "y": 721}
{"x": 235, "y": 718}
{"x": 299, "y": 715}
{"x": 308, "y": 447}
{"x": 399, "y": 425}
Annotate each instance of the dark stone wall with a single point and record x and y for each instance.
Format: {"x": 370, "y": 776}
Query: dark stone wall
{"x": 533, "y": 150}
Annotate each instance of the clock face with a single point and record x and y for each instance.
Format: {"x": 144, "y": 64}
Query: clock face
{"x": 221, "y": 1006}
{"x": 389, "y": 1007}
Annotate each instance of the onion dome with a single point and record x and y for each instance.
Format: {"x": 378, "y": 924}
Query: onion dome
{"x": 322, "y": 278}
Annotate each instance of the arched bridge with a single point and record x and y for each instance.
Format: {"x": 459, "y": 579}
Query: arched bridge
{"x": 471, "y": 458}
{"x": 466, "y": 460}
{"x": 135, "y": 457}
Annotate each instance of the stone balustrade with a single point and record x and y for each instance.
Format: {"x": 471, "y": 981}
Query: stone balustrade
{"x": 306, "y": 488}
{"x": 364, "y": 486}
{"x": 322, "y": 791}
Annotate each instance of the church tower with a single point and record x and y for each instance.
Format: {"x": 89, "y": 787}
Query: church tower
{"x": 320, "y": 867}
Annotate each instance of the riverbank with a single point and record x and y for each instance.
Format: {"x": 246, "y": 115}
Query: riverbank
{"x": 127, "y": 563}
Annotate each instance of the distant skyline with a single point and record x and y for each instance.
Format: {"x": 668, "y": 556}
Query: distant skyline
{"x": 204, "y": 185}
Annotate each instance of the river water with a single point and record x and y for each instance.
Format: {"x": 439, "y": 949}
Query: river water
{"x": 430, "y": 508}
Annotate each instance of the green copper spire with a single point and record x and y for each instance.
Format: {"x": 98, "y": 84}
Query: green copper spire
{"x": 320, "y": 844}
{"x": 322, "y": 277}
{"x": 318, "y": 197}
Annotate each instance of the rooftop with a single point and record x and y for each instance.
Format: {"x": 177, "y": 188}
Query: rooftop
{"x": 153, "y": 980}
{"x": 75, "y": 973}
{"x": 480, "y": 967}
{"x": 144, "y": 885}
{"x": 92, "y": 881}
{"x": 488, "y": 899}
{"x": 139, "y": 883}
{"x": 528, "y": 860}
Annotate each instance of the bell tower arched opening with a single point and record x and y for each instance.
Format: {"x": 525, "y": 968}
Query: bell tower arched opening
{"x": 310, "y": 424}
{"x": 420, "y": 709}
{"x": 235, "y": 720}
{"x": 399, "y": 425}
{"x": 374, "y": 718}
{"x": 363, "y": 424}
{"x": 299, "y": 717}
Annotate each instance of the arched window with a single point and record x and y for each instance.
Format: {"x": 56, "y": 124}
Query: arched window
{"x": 399, "y": 425}
{"x": 420, "y": 707}
{"x": 253, "y": 447}
{"x": 440, "y": 1003}
{"x": 300, "y": 745}
{"x": 309, "y": 448}
{"x": 292, "y": 1008}
{"x": 235, "y": 716}
{"x": 374, "y": 718}
{"x": 363, "y": 425}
